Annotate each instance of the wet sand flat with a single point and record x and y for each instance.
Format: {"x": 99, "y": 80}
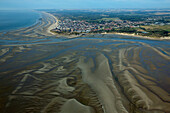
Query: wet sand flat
{"x": 99, "y": 74}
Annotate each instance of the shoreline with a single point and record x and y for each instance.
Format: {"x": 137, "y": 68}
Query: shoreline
{"x": 133, "y": 35}
{"x": 40, "y": 29}
{"x": 24, "y": 26}
{"x": 54, "y": 25}
{"x": 114, "y": 33}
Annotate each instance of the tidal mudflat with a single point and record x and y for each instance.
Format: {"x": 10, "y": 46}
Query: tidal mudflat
{"x": 95, "y": 74}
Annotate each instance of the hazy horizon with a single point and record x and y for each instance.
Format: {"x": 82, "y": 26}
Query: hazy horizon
{"x": 81, "y": 4}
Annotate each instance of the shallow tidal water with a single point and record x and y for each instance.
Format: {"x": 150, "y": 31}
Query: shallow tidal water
{"x": 40, "y": 73}
{"x": 32, "y": 75}
{"x": 12, "y": 20}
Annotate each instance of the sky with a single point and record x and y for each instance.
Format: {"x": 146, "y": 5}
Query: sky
{"x": 82, "y": 4}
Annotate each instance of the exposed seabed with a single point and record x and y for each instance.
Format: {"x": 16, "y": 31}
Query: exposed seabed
{"x": 111, "y": 74}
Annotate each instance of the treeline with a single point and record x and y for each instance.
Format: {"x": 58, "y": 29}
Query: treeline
{"x": 95, "y": 16}
{"x": 157, "y": 33}
{"x": 146, "y": 32}
{"x": 152, "y": 33}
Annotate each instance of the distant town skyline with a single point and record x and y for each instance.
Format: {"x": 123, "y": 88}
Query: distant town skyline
{"x": 82, "y": 4}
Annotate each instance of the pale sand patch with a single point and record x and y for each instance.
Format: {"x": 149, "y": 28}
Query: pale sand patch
{"x": 46, "y": 67}
{"x": 3, "y": 51}
{"x": 5, "y": 58}
{"x": 73, "y": 106}
{"x": 50, "y": 107}
{"x": 133, "y": 91}
{"x": 156, "y": 50}
{"x": 165, "y": 38}
{"x": 130, "y": 85}
{"x": 102, "y": 83}
{"x": 63, "y": 87}
{"x": 54, "y": 25}
{"x": 19, "y": 49}
{"x": 139, "y": 94}
{"x": 134, "y": 35}
{"x": 24, "y": 72}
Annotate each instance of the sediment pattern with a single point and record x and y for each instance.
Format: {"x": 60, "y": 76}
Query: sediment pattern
{"x": 39, "y": 30}
{"x": 88, "y": 75}
{"x": 92, "y": 75}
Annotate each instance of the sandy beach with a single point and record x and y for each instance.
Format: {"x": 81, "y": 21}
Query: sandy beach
{"x": 54, "y": 25}
{"x": 133, "y": 35}
{"x": 39, "y": 30}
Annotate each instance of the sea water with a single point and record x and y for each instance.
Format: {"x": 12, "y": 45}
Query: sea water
{"x": 12, "y": 20}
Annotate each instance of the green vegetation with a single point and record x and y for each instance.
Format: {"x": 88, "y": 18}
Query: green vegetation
{"x": 109, "y": 19}
{"x": 165, "y": 27}
{"x": 126, "y": 30}
{"x": 95, "y": 16}
{"x": 146, "y": 23}
{"x": 157, "y": 31}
